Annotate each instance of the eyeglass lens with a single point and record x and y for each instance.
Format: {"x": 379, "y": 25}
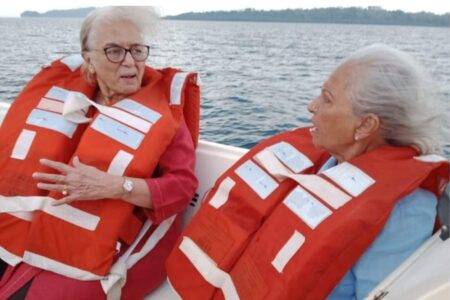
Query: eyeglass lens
{"x": 117, "y": 53}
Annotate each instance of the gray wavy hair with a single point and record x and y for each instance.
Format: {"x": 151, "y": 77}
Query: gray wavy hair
{"x": 392, "y": 85}
{"x": 144, "y": 18}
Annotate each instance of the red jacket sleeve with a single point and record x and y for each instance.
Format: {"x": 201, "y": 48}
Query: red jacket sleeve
{"x": 175, "y": 183}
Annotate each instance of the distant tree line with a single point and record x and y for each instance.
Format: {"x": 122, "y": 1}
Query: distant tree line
{"x": 352, "y": 15}
{"x": 66, "y": 13}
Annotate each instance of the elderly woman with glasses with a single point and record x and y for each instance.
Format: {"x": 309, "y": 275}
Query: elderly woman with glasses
{"x": 135, "y": 158}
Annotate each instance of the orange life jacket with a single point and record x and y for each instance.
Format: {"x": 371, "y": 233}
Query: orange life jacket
{"x": 34, "y": 128}
{"x": 126, "y": 139}
{"x": 234, "y": 209}
{"x": 317, "y": 230}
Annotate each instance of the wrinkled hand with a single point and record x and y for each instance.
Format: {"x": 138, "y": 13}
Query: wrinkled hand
{"x": 80, "y": 181}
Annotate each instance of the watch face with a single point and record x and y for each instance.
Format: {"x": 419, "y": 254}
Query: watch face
{"x": 128, "y": 185}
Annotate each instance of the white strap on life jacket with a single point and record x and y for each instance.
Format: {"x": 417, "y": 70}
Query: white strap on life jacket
{"x": 10, "y": 258}
{"x": 222, "y": 193}
{"x": 319, "y": 186}
{"x": 208, "y": 268}
{"x": 113, "y": 283}
{"x": 176, "y": 87}
{"x": 22, "y": 207}
{"x": 68, "y": 213}
{"x": 23, "y": 144}
{"x": 55, "y": 266}
{"x": 77, "y": 103}
{"x": 288, "y": 251}
{"x": 120, "y": 163}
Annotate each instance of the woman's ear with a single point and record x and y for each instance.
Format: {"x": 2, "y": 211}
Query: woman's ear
{"x": 370, "y": 123}
{"x": 86, "y": 56}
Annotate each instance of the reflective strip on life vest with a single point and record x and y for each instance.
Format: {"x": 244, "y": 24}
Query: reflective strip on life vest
{"x": 65, "y": 212}
{"x": 115, "y": 280}
{"x": 256, "y": 178}
{"x": 60, "y": 94}
{"x": 73, "y": 61}
{"x": 306, "y": 207}
{"x": 52, "y": 121}
{"x": 51, "y": 105}
{"x": 77, "y": 102}
{"x": 288, "y": 251}
{"x": 350, "y": 178}
{"x": 58, "y": 267}
{"x": 317, "y": 185}
{"x": 208, "y": 268}
{"x": 138, "y": 109}
{"x": 23, "y": 144}
{"x": 126, "y": 118}
{"x": 323, "y": 189}
{"x": 118, "y": 131}
{"x": 119, "y": 163}
{"x": 222, "y": 193}
{"x": 291, "y": 157}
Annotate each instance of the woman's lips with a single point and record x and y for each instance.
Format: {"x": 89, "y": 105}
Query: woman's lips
{"x": 128, "y": 76}
{"x": 128, "y": 79}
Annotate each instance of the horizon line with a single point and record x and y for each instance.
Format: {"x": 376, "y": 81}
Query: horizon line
{"x": 243, "y": 9}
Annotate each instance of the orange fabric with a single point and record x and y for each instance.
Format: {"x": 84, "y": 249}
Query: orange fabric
{"x": 225, "y": 232}
{"x": 90, "y": 251}
{"x": 93, "y": 251}
{"x": 244, "y": 244}
{"x": 15, "y": 175}
{"x": 336, "y": 244}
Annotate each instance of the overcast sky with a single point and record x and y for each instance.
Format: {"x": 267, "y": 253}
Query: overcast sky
{"x": 171, "y": 7}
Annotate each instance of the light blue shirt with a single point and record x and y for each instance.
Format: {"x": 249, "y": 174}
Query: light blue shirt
{"x": 409, "y": 225}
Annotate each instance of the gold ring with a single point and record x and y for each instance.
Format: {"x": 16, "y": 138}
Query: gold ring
{"x": 64, "y": 190}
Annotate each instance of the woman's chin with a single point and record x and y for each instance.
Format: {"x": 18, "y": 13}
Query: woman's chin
{"x": 130, "y": 89}
{"x": 316, "y": 141}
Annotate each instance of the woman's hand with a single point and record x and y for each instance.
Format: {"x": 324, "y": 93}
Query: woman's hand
{"x": 79, "y": 182}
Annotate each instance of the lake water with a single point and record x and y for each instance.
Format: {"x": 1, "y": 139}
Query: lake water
{"x": 257, "y": 78}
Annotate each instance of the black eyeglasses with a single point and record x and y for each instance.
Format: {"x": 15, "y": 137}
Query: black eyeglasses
{"x": 116, "y": 54}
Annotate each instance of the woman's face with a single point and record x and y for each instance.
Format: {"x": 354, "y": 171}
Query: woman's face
{"x": 334, "y": 123}
{"x": 116, "y": 80}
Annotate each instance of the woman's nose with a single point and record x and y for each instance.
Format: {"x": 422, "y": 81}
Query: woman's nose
{"x": 312, "y": 106}
{"x": 128, "y": 60}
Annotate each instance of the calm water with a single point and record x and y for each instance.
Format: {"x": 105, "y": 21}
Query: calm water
{"x": 256, "y": 77}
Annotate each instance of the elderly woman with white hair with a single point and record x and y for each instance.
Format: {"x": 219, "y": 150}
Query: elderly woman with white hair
{"x": 337, "y": 206}
{"x": 108, "y": 177}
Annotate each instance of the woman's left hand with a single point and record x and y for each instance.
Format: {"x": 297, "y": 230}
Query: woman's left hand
{"x": 79, "y": 182}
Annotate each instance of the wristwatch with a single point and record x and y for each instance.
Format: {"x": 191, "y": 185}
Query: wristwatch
{"x": 127, "y": 186}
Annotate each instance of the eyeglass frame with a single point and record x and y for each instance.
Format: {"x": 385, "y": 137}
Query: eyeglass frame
{"x": 105, "y": 49}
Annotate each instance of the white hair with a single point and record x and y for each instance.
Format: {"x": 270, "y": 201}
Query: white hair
{"x": 143, "y": 17}
{"x": 392, "y": 85}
